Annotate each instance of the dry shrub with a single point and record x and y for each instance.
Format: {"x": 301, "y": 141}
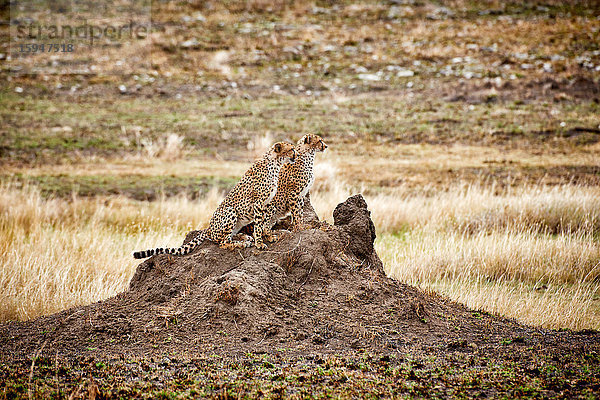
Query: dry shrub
{"x": 266, "y": 6}
{"x": 509, "y": 256}
{"x": 168, "y": 147}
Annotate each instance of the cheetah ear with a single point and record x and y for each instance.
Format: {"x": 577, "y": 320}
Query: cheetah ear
{"x": 277, "y": 148}
{"x": 307, "y": 139}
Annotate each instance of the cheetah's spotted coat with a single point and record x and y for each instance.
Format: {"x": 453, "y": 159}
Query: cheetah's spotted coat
{"x": 246, "y": 203}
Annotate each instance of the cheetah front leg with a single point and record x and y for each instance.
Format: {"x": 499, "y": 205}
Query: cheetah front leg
{"x": 296, "y": 209}
{"x": 259, "y": 222}
{"x": 268, "y": 223}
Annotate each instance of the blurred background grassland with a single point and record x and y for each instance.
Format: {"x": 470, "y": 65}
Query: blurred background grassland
{"x": 472, "y": 128}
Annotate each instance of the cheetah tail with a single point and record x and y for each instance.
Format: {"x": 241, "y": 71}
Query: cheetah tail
{"x": 178, "y": 251}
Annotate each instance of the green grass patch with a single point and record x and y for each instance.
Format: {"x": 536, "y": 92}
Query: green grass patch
{"x": 451, "y": 375}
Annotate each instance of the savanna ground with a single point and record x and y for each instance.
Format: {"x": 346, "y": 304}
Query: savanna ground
{"x": 472, "y": 128}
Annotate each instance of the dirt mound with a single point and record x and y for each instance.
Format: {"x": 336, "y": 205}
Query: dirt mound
{"x": 323, "y": 289}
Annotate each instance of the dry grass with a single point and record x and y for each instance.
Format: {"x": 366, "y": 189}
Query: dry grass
{"x": 472, "y": 209}
{"x": 57, "y": 253}
{"x": 538, "y": 279}
{"x": 532, "y": 254}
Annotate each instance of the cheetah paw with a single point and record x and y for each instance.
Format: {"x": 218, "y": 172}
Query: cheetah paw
{"x": 300, "y": 227}
{"x": 270, "y": 238}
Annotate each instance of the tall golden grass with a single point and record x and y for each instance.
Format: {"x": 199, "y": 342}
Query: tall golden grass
{"x": 57, "y": 253}
{"x": 538, "y": 279}
{"x": 532, "y": 253}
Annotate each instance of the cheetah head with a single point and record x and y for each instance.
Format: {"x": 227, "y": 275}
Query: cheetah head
{"x": 284, "y": 151}
{"x": 311, "y": 142}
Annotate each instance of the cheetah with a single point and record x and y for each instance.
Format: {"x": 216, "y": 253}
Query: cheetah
{"x": 295, "y": 180}
{"x": 246, "y": 203}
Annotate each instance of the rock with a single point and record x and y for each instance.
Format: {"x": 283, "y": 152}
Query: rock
{"x": 190, "y": 44}
{"x": 369, "y": 77}
{"x": 405, "y": 73}
{"x": 357, "y": 230}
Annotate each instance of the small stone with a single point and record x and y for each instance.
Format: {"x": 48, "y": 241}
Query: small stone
{"x": 369, "y": 77}
{"x": 190, "y": 43}
{"x": 490, "y": 49}
{"x": 291, "y": 49}
{"x": 405, "y": 73}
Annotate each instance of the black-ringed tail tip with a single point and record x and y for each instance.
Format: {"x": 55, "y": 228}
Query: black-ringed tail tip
{"x": 146, "y": 253}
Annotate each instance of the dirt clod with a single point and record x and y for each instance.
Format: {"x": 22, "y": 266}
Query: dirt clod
{"x": 353, "y": 219}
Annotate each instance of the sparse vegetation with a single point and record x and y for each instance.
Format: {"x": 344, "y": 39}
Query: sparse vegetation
{"x": 454, "y": 374}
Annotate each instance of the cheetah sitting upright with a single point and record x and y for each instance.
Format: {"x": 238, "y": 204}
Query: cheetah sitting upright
{"x": 246, "y": 203}
{"x": 295, "y": 180}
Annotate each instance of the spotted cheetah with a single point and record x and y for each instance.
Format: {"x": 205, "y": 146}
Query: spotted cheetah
{"x": 295, "y": 180}
{"x": 246, "y": 203}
